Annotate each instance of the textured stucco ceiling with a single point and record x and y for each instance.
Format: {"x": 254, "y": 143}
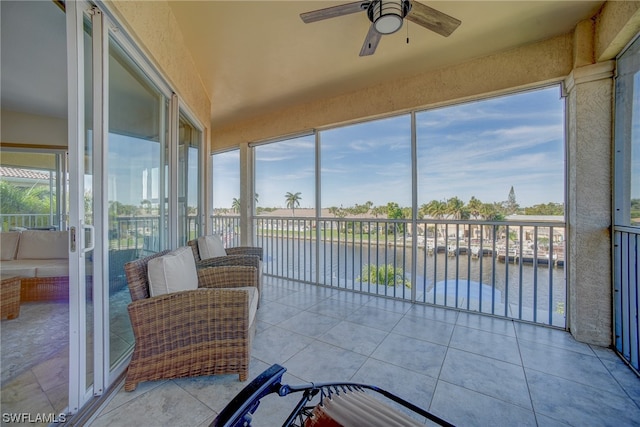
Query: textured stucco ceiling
{"x": 256, "y": 56}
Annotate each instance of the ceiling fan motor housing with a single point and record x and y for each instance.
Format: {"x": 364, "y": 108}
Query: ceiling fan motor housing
{"x": 387, "y": 15}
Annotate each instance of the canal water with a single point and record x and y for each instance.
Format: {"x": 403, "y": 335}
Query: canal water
{"x": 522, "y": 291}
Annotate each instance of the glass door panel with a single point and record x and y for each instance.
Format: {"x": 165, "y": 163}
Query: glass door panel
{"x": 35, "y": 340}
{"x": 89, "y": 200}
{"x": 189, "y": 147}
{"x": 136, "y": 183}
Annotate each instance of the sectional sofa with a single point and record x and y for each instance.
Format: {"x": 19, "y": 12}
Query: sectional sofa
{"x": 41, "y": 259}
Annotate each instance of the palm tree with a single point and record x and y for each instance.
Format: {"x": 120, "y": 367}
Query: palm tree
{"x": 474, "y": 207}
{"x": 455, "y": 207}
{"x": 293, "y": 201}
{"x": 491, "y": 212}
{"x": 437, "y": 210}
{"x": 235, "y": 205}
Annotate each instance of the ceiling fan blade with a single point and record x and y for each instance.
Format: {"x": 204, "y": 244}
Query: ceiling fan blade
{"x": 370, "y": 42}
{"x": 432, "y": 19}
{"x": 334, "y": 11}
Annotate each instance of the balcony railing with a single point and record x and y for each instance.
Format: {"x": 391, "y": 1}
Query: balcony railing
{"x": 508, "y": 269}
{"x": 30, "y": 221}
{"x": 626, "y": 288}
{"x": 228, "y": 228}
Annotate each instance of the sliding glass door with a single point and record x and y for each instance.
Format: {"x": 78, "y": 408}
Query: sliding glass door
{"x": 135, "y": 183}
{"x": 135, "y": 161}
{"x": 189, "y": 180}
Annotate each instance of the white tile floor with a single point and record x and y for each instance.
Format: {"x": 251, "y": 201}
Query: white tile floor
{"x": 469, "y": 369}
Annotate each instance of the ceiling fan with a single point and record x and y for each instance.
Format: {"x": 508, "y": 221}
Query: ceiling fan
{"x": 386, "y": 17}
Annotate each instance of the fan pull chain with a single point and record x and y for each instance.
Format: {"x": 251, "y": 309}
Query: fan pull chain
{"x": 407, "y": 32}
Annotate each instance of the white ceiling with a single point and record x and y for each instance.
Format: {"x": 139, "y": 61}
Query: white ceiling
{"x": 255, "y": 56}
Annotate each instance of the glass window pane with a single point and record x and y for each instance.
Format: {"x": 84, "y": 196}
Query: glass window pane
{"x": 285, "y": 198}
{"x": 285, "y": 177}
{"x": 226, "y": 196}
{"x": 226, "y": 182}
{"x": 29, "y": 189}
{"x": 136, "y": 183}
{"x": 505, "y": 153}
{"x": 189, "y": 182}
{"x": 634, "y": 210}
{"x": 627, "y": 134}
{"x": 367, "y": 167}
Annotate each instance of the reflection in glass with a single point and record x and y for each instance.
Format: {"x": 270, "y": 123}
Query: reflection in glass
{"x": 189, "y": 182}
{"x": 136, "y": 183}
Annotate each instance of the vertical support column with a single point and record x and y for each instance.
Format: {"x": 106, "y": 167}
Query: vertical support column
{"x": 205, "y": 207}
{"x": 414, "y": 208}
{"x": 246, "y": 195}
{"x": 589, "y": 161}
{"x": 174, "y": 166}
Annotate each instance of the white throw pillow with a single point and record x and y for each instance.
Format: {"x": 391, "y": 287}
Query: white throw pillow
{"x": 173, "y": 272}
{"x": 211, "y": 246}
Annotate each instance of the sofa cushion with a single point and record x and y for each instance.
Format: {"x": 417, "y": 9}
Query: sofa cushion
{"x": 52, "y": 268}
{"x": 173, "y": 272}
{"x": 210, "y": 246}
{"x": 9, "y": 245}
{"x": 38, "y": 244}
{"x": 23, "y": 268}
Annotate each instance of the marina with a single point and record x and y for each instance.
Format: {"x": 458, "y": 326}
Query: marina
{"x": 485, "y": 276}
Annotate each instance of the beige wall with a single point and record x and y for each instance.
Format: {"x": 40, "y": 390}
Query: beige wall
{"x": 22, "y": 128}
{"x": 589, "y": 171}
{"x": 551, "y": 60}
{"x": 616, "y": 25}
{"x": 547, "y": 61}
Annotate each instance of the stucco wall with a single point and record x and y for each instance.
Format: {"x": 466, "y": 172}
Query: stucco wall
{"x": 547, "y": 61}
{"x": 589, "y": 110}
{"x": 616, "y": 25}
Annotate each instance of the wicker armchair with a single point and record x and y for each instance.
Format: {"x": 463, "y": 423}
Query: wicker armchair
{"x": 242, "y": 255}
{"x": 206, "y": 331}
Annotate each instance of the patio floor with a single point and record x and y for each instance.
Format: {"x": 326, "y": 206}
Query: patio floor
{"x": 469, "y": 369}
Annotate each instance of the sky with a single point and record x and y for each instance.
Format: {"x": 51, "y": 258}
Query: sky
{"x": 479, "y": 149}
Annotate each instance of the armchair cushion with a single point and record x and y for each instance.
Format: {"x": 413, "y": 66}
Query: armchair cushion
{"x": 205, "y": 331}
{"x": 173, "y": 272}
{"x": 211, "y": 246}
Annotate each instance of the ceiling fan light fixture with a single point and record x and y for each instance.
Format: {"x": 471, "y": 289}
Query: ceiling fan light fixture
{"x": 387, "y": 15}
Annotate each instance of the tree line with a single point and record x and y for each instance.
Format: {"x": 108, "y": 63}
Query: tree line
{"x": 452, "y": 208}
